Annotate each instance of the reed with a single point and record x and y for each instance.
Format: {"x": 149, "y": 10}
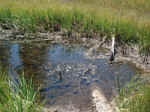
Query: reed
{"x": 135, "y": 97}
{"x": 127, "y": 19}
{"x": 19, "y": 97}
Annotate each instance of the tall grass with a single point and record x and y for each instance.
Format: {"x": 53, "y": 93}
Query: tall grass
{"x": 135, "y": 97}
{"x": 127, "y": 19}
{"x": 19, "y": 97}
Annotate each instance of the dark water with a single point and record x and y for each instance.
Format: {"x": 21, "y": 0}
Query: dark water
{"x": 64, "y": 71}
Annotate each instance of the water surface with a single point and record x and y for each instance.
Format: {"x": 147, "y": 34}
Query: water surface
{"x": 65, "y": 72}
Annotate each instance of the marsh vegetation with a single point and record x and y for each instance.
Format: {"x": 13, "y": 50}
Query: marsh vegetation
{"x": 18, "y": 97}
{"x": 128, "y": 20}
{"x": 135, "y": 96}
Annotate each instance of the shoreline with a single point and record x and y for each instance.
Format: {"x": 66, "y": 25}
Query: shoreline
{"x": 128, "y": 53}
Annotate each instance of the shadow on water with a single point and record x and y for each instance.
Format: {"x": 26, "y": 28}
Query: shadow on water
{"x": 63, "y": 71}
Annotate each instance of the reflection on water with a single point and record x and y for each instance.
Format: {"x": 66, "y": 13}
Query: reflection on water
{"x": 64, "y": 71}
{"x": 14, "y": 60}
{"x": 59, "y": 53}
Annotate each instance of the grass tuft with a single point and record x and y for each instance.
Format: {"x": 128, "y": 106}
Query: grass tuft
{"x": 19, "y": 97}
{"x": 135, "y": 97}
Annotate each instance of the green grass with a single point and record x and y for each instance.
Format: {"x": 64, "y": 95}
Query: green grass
{"x": 135, "y": 97}
{"x": 18, "y": 98}
{"x": 127, "y": 19}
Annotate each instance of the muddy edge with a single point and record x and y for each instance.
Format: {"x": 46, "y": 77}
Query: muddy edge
{"x": 127, "y": 53}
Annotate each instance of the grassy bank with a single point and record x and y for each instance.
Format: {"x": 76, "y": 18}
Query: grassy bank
{"x": 135, "y": 97}
{"x": 129, "y": 20}
{"x": 17, "y": 98}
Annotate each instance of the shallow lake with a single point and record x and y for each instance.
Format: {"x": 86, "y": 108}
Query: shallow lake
{"x": 66, "y": 73}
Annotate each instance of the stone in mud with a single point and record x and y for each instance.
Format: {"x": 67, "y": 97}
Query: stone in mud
{"x": 5, "y": 26}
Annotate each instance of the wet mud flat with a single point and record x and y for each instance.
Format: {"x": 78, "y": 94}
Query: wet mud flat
{"x": 72, "y": 77}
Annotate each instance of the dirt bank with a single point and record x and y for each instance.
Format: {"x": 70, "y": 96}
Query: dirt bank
{"x": 124, "y": 52}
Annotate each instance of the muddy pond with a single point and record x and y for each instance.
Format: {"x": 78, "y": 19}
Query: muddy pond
{"x": 66, "y": 73}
